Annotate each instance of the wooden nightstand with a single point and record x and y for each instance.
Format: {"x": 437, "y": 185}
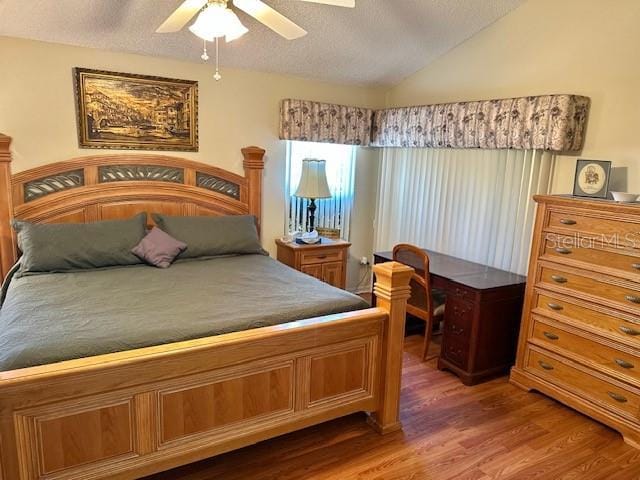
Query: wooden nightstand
{"x": 327, "y": 261}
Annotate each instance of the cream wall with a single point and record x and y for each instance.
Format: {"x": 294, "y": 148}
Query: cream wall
{"x": 37, "y": 110}
{"x": 587, "y": 47}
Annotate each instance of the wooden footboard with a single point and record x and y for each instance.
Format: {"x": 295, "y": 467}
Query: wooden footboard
{"x": 137, "y": 412}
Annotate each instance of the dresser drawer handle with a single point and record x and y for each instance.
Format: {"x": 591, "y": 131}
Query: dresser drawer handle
{"x": 636, "y": 266}
{"x": 321, "y": 257}
{"x": 545, "y": 365}
{"x": 555, "y": 306}
{"x": 623, "y": 363}
{"x": 617, "y": 397}
{"x": 632, "y": 298}
{"x": 551, "y": 336}
{"x": 563, "y": 250}
{"x": 629, "y": 331}
{"x": 558, "y": 279}
{"x": 567, "y": 221}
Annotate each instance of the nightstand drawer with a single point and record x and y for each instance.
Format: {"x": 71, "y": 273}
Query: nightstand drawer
{"x": 323, "y": 256}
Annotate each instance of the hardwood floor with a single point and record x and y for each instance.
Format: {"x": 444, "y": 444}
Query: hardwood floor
{"x": 489, "y": 431}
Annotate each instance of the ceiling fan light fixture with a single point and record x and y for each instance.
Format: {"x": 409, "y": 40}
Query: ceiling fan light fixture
{"x": 215, "y": 21}
{"x": 235, "y": 28}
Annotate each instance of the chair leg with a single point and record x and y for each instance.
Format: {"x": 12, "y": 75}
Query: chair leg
{"x": 428, "y": 331}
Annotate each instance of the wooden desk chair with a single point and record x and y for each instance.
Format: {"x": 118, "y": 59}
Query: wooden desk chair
{"x": 425, "y": 303}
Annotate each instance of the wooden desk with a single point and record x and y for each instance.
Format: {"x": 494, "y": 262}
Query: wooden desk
{"x": 482, "y": 315}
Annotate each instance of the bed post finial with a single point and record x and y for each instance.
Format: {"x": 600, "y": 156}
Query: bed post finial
{"x": 7, "y": 246}
{"x": 392, "y": 291}
{"x": 253, "y": 167}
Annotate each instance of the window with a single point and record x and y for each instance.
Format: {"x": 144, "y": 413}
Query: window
{"x": 332, "y": 213}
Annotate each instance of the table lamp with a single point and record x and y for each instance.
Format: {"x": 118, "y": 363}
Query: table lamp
{"x": 313, "y": 184}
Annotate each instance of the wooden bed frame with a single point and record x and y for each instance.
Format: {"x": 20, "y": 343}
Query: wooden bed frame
{"x": 133, "y": 413}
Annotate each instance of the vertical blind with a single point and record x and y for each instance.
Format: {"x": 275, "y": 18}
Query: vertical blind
{"x": 332, "y": 213}
{"x": 472, "y": 204}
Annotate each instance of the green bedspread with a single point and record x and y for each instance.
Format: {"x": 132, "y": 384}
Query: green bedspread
{"x": 60, "y": 316}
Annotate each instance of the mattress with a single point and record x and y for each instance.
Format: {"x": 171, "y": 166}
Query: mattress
{"x": 53, "y": 317}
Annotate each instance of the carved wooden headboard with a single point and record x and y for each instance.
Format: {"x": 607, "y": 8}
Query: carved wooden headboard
{"x": 103, "y": 187}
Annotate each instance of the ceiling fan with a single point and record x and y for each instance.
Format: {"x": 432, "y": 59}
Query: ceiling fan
{"x": 256, "y": 8}
{"x": 216, "y": 20}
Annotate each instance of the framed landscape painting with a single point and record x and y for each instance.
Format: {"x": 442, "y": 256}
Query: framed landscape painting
{"x": 123, "y": 111}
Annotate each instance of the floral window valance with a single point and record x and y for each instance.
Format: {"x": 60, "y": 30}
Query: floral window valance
{"x": 547, "y": 122}
{"x": 324, "y": 122}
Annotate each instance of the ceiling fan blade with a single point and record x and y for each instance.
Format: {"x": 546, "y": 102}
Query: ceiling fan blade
{"x": 271, "y": 18}
{"x": 181, "y": 16}
{"x": 335, "y": 3}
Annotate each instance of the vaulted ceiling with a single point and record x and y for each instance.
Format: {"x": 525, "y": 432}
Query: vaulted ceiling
{"x": 379, "y": 42}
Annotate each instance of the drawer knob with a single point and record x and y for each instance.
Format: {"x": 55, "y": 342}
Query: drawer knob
{"x": 545, "y": 365}
{"x": 629, "y": 331}
{"x": 563, "y": 250}
{"x": 623, "y": 363}
{"x": 632, "y": 298}
{"x": 636, "y": 266}
{"x": 550, "y": 335}
{"x": 567, "y": 221}
{"x": 555, "y": 306}
{"x": 558, "y": 279}
{"x": 617, "y": 397}
{"x": 321, "y": 257}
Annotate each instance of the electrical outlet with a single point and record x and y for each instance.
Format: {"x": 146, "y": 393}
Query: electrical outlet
{"x": 364, "y": 261}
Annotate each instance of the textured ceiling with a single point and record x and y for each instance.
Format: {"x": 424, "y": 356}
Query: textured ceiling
{"x": 380, "y": 42}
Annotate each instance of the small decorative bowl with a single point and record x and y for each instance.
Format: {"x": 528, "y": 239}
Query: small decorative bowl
{"x": 624, "y": 197}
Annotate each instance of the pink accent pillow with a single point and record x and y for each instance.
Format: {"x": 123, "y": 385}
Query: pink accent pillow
{"x": 159, "y": 248}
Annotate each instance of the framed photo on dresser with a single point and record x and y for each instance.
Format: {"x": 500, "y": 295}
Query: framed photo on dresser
{"x": 592, "y": 178}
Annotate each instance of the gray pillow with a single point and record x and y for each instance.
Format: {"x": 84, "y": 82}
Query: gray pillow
{"x": 159, "y": 248}
{"x": 213, "y": 236}
{"x": 59, "y": 247}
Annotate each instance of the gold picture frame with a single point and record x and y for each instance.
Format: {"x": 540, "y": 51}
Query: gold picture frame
{"x": 128, "y": 111}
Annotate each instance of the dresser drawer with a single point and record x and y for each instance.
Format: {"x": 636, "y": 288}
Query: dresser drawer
{"x": 616, "y": 261}
{"x": 613, "y": 361}
{"x": 623, "y": 400}
{"x": 570, "y": 222}
{"x": 326, "y": 255}
{"x": 616, "y": 325}
{"x": 627, "y": 298}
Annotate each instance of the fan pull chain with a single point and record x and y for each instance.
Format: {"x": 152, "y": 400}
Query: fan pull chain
{"x": 217, "y": 76}
{"x": 204, "y": 55}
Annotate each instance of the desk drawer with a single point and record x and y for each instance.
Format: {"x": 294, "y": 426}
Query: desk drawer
{"x": 623, "y": 400}
{"x": 611, "y": 360}
{"x": 626, "y": 232}
{"x": 611, "y": 324}
{"x": 458, "y": 319}
{"x": 324, "y": 256}
{"x": 456, "y": 350}
{"x": 620, "y": 262}
{"x": 626, "y": 298}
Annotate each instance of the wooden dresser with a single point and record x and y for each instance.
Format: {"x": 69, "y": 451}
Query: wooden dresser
{"x": 326, "y": 261}
{"x": 580, "y": 336}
